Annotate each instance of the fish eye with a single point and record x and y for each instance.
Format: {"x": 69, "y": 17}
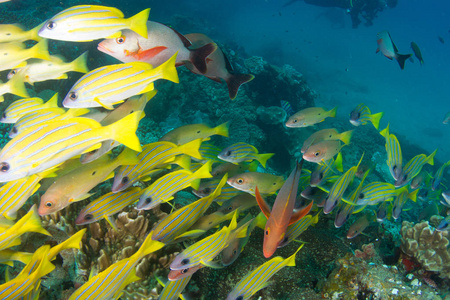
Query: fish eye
{"x": 207, "y": 190}
{"x": 228, "y": 153}
{"x": 184, "y": 271}
{"x": 317, "y": 153}
{"x": 405, "y": 177}
{"x": 240, "y": 180}
{"x": 88, "y": 217}
{"x": 73, "y": 96}
{"x": 348, "y": 216}
{"x": 51, "y": 25}
{"x": 198, "y": 131}
{"x": 230, "y": 208}
{"x": 148, "y": 200}
{"x": 267, "y": 232}
{"x": 234, "y": 252}
{"x": 240, "y": 298}
{"x": 125, "y": 180}
{"x": 13, "y": 72}
{"x": 285, "y": 240}
{"x": 4, "y": 167}
{"x": 335, "y": 202}
{"x": 48, "y": 204}
{"x": 14, "y": 130}
{"x": 185, "y": 261}
{"x": 321, "y": 175}
{"x": 361, "y": 196}
{"x": 4, "y": 115}
{"x": 294, "y": 121}
{"x": 120, "y": 40}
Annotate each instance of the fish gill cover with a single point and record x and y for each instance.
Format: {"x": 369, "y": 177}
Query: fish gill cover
{"x": 157, "y": 101}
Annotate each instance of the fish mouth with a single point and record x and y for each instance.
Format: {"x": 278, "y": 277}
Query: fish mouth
{"x": 103, "y": 48}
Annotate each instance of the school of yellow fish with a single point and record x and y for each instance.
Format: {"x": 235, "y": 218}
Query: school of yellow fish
{"x": 65, "y": 153}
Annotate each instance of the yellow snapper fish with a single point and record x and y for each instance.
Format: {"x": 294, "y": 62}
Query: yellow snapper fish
{"x": 267, "y": 183}
{"x": 163, "y": 189}
{"x": 401, "y": 199}
{"x": 16, "y": 33}
{"x": 54, "y": 68}
{"x": 242, "y": 202}
{"x": 322, "y": 151}
{"x": 14, "y": 55}
{"x": 206, "y": 188}
{"x": 74, "y": 186}
{"x": 326, "y": 135}
{"x": 187, "y": 133}
{"x": 108, "y": 205}
{"x": 36, "y": 118}
{"x": 174, "y": 226}
{"x": 361, "y": 115}
{"x": 240, "y": 152}
{"x": 207, "y": 222}
{"x": 258, "y": 278}
{"x": 295, "y": 230}
{"x": 29, "y": 223}
{"x": 83, "y": 23}
{"x": 43, "y": 147}
{"x": 413, "y": 168}
{"x": 133, "y": 104}
{"x": 110, "y": 283}
{"x": 205, "y": 250}
{"x": 172, "y": 290}
{"x": 21, "y": 107}
{"x": 394, "y": 153}
{"x": 25, "y": 283}
{"x": 233, "y": 169}
{"x": 15, "y": 86}
{"x": 309, "y": 116}
{"x": 153, "y": 155}
{"x": 112, "y": 84}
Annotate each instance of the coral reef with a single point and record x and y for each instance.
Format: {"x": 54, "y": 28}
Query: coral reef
{"x": 427, "y": 246}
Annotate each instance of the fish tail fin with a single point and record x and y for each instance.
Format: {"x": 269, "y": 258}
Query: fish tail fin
{"x": 413, "y": 195}
{"x": 148, "y": 246}
{"x": 233, "y": 223}
{"x": 204, "y": 171}
{"x": 338, "y": 163}
{"x": 127, "y": 157}
{"x": 191, "y": 148}
{"x": 44, "y": 268}
{"x": 222, "y": 129}
{"x": 33, "y": 33}
{"x": 430, "y": 158}
{"x": 198, "y": 56}
{"x": 290, "y": 261}
{"x": 72, "y": 242}
{"x": 138, "y": 23}
{"x": 168, "y": 69}
{"x": 31, "y": 222}
{"x": 52, "y": 102}
{"x": 17, "y": 86}
{"x": 332, "y": 113}
{"x": 401, "y": 58}
{"x": 79, "y": 64}
{"x": 219, "y": 187}
{"x": 2, "y": 99}
{"x": 75, "y": 112}
{"x": 124, "y": 130}
{"x": 262, "y": 158}
{"x": 346, "y": 136}
{"x": 261, "y": 220}
{"x": 40, "y": 50}
{"x": 385, "y": 132}
{"x": 375, "y": 119}
{"x": 241, "y": 232}
{"x": 184, "y": 161}
{"x": 234, "y": 82}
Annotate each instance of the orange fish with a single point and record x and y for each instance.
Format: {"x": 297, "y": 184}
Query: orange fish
{"x": 217, "y": 65}
{"x": 322, "y": 151}
{"x": 282, "y": 214}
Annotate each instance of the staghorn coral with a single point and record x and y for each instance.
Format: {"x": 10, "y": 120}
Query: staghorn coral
{"x": 427, "y": 246}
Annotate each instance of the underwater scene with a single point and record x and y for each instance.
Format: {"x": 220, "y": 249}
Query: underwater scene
{"x": 260, "y": 149}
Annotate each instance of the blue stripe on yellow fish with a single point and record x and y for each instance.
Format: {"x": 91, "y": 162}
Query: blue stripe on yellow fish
{"x": 413, "y": 167}
{"x": 241, "y": 151}
{"x": 394, "y": 153}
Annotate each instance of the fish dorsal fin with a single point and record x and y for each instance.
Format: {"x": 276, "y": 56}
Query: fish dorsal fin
{"x": 297, "y": 215}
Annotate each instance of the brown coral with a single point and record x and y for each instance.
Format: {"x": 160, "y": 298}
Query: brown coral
{"x": 427, "y": 246}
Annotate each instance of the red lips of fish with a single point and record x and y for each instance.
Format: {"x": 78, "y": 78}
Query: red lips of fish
{"x": 282, "y": 214}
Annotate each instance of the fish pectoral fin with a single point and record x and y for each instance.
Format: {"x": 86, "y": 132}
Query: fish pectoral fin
{"x": 111, "y": 222}
{"x": 300, "y": 213}
{"x": 262, "y": 204}
{"x": 212, "y": 264}
{"x": 109, "y": 107}
{"x": 191, "y": 234}
{"x": 82, "y": 197}
{"x": 63, "y": 76}
{"x": 149, "y": 53}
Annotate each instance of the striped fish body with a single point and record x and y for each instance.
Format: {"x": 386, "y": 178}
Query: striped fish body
{"x": 413, "y": 168}
{"x": 296, "y": 229}
{"x": 109, "y": 283}
{"x": 361, "y": 115}
{"x": 75, "y": 186}
{"x": 107, "y": 205}
{"x": 242, "y": 202}
{"x": 206, "y": 188}
{"x": 112, "y": 84}
{"x": 163, "y": 189}
{"x": 240, "y": 152}
{"x": 258, "y": 278}
{"x": 153, "y": 155}
{"x": 14, "y": 194}
{"x": 376, "y": 192}
{"x": 209, "y": 151}
{"x": 25, "y": 283}
{"x": 438, "y": 176}
{"x": 84, "y": 23}
{"x": 403, "y": 196}
{"x": 247, "y": 182}
{"x": 38, "y": 149}
{"x": 338, "y": 189}
{"x": 21, "y": 107}
{"x": 326, "y": 135}
{"x": 179, "y": 221}
{"x": 325, "y": 170}
{"x": 173, "y": 289}
{"x": 394, "y": 153}
{"x": 205, "y": 250}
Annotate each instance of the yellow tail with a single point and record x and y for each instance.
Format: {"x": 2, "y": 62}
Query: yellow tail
{"x": 332, "y": 113}
{"x": 346, "y": 136}
{"x": 33, "y": 33}
{"x": 290, "y": 261}
{"x": 191, "y": 149}
{"x": 124, "y": 130}
{"x": 79, "y": 64}
{"x": 17, "y": 86}
{"x": 30, "y": 222}
{"x": 148, "y": 246}
{"x": 385, "y": 132}
{"x": 413, "y": 195}
{"x": 53, "y": 102}
{"x": 430, "y": 158}
{"x": 375, "y": 119}
{"x": 72, "y": 242}
{"x": 138, "y": 23}
{"x": 40, "y": 50}
{"x": 222, "y": 129}
{"x": 168, "y": 69}
{"x": 262, "y": 158}
{"x": 127, "y": 157}
{"x": 338, "y": 163}
{"x": 204, "y": 171}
